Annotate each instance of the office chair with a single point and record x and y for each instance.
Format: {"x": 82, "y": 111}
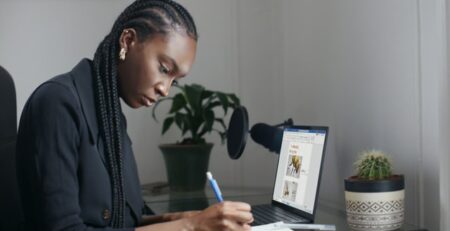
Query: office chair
{"x": 11, "y": 217}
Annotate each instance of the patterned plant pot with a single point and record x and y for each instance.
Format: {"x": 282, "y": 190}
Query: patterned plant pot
{"x": 376, "y": 205}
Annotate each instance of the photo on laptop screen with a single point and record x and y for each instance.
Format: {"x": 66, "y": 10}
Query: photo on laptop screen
{"x": 299, "y": 166}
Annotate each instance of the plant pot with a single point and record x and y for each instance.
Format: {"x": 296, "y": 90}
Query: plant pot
{"x": 186, "y": 165}
{"x": 375, "y": 204}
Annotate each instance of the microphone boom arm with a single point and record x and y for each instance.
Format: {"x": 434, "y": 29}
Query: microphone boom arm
{"x": 288, "y": 122}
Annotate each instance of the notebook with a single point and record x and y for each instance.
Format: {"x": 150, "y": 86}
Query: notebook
{"x": 294, "y": 198}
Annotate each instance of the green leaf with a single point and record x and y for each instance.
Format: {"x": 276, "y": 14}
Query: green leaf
{"x": 208, "y": 122}
{"x": 166, "y": 125}
{"x": 206, "y": 94}
{"x": 196, "y": 122}
{"x": 235, "y": 99}
{"x": 193, "y": 95}
{"x": 212, "y": 105}
{"x": 192, "y": 110}
{"x": 220, "y": 121}
{"x": 178, "y": 102}
{"x": 187, "y": 125}
{"x": 179, "y": 120}
{"x": 223, "y": 100}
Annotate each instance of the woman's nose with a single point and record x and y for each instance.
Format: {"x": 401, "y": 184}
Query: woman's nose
{"x": 162, "y": 90}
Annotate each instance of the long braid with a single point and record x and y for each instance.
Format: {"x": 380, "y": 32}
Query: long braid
{"x": 117, "y": 126}
{"x": 147, "y": 17}
{"x": 103, "y": 109}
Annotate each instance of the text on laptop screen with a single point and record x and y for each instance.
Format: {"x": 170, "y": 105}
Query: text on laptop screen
{"x": 299, "y": 168}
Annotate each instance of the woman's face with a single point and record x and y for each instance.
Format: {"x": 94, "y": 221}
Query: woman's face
{"x": 152, "y": 66}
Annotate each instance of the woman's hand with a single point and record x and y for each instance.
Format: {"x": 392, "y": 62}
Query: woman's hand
{"x": 180, "y": 215}
{"x": 166, "y": 217}
{"x": 229, "y": 216}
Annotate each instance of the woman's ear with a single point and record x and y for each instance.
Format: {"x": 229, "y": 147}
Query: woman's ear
{"x": 128, "y": 38}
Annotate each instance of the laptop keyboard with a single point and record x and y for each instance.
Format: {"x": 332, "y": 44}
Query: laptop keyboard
{"x": 265, "y": 214}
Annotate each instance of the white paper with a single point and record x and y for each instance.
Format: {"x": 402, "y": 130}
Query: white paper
{"x": 280, "y": 226}
{"x": 271, "y": 227}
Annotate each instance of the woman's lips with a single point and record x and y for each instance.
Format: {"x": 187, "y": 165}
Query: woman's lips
{"x": 147, "y": 101}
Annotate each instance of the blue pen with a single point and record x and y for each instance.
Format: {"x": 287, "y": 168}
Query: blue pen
{"x": 214, "y": 186}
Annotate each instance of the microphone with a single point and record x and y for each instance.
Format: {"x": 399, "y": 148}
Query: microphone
{"x": 268, "y": 136}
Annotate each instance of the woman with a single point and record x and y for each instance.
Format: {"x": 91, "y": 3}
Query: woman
{"x": 76, "y": 168}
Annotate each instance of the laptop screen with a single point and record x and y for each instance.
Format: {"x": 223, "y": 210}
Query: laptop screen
{"x": 299, "y": 166}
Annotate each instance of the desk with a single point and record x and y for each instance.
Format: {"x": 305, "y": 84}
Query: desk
{"x": 163, "y": 201}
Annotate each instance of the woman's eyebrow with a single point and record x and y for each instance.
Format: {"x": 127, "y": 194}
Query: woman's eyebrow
{"x": 176, "y": 67}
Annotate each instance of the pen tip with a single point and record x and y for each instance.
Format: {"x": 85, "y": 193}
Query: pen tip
{"x": 209, "y": 175}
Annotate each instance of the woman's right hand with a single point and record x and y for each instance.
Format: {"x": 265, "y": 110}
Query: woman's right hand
{"x": 228, "y": 215}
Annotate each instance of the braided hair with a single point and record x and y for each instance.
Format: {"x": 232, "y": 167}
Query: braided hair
{"x": 147, "y": 18}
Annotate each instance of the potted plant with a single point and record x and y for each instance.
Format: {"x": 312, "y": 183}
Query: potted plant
{"x": 193, "y": 112}
{"x": 374, "y": 196}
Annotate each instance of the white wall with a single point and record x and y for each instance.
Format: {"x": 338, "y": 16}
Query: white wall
{"x": 374, "y": 71}
{"x": 352, "y": 65}
{"x": 41, "y": 39}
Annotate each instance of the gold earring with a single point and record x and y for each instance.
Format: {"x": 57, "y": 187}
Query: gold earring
{"x": 122, "y": 54}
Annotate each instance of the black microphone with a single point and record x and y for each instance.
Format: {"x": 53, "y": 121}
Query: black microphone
{"x": 268, "y": 136}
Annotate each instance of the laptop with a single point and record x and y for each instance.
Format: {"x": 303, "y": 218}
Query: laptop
{"x": 294, "y": 198}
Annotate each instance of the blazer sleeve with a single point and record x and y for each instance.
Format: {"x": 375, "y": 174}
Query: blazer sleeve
{"x": 55, "y": 121}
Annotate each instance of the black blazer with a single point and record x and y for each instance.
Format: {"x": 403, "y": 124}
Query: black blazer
{"x": 62, "y": 173}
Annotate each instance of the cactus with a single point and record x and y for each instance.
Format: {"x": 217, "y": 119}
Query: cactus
{"x": 373, "y": 165}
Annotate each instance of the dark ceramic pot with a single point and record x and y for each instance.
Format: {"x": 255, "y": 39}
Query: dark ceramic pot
{"x": 186, "y": 165}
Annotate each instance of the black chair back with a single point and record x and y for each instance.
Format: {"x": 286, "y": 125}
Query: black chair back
{"x": 11, "y": 217}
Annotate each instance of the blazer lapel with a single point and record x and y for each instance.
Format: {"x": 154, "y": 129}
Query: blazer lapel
{"x": 84, "y": 83}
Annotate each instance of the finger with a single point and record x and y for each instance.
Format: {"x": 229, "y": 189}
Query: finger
{"x": 242, "y": 217}
{"x": 190, "y": 213}
{"x": 238, "y": 205}
{"x": 251, "y": 220}
{"x": 230, "y": 225}
{"x": 237, "y": 211}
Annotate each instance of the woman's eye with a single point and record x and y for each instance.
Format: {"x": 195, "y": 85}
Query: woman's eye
{"x": 164, "y": 69}
{"x": 174, "y": 83}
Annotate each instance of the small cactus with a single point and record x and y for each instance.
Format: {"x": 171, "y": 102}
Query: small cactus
{"x": 373, "y": 165}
